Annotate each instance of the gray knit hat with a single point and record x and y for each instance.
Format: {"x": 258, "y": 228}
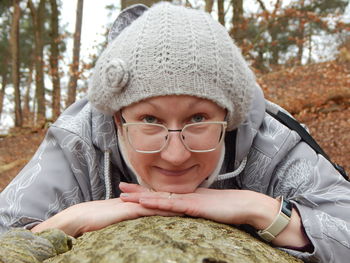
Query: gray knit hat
{"x": 171, "y": 50}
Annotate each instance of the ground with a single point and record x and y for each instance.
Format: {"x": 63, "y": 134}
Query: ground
{"x": 317, "y": 95}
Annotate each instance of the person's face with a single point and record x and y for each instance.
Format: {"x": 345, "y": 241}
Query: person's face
{"x": 175, "y": 169}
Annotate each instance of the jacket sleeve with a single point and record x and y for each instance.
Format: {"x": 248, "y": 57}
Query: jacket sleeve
{"x": 322, "y": 197}
{"x": 54, "y": 179}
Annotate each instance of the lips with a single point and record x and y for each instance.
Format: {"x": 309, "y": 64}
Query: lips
{"x": 173, "y": 172}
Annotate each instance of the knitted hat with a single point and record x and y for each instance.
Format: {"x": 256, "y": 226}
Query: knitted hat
{"x": 171, "y": 50}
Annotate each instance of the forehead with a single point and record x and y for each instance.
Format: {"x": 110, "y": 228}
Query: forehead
{"x": 174, "y": 103}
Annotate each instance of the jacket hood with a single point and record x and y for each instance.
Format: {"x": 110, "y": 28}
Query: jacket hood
{"x": 247, "y": 131}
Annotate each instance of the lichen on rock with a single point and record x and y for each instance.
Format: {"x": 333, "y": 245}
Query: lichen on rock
{"x": 170, "y": 239}
{"x": 23, "y": 246}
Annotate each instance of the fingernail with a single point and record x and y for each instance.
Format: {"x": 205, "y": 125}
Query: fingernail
{"x": 124, "y": 195}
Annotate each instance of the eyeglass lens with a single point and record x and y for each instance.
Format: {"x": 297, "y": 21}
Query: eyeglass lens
{"x": 197, "y": 137}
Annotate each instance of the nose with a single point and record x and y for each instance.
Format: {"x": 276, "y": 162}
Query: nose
{"x": 175, "y": 151}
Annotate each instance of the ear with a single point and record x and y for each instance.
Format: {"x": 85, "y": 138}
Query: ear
{"x": 118, "y": 121}
{"x": 124, "y": 19}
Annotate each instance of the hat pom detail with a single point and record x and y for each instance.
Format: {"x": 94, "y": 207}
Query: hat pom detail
{"x": 116, "y": 76}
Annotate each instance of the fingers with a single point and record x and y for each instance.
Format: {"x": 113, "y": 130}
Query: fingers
{"x": 177, "y": 203}
{"x": 136, "y": 196}
{"x": 183, "y": 204}
{"x": 132, "y": 188}
{"x": 130, "y": 197}
{"x": 192, "y": 204}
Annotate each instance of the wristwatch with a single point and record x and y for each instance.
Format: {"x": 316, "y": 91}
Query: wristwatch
{"x": 279, "y": 223}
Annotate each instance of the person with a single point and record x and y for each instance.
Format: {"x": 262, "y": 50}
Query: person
{"x": 176, "y": 124}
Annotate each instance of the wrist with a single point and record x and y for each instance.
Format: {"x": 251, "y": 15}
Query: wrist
{"x": 71, "y": 222}
{"x": 294, "y": 234}
{"x": 279, "y": 223}
{"x": 263, "y": 211}
{"x": 64, "y": 220}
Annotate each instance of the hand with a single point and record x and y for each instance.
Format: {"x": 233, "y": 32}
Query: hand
{"x": 225, "y": 206}
{"x": 94, "y": 215}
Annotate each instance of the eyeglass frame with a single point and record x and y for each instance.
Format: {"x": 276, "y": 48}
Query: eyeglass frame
{"x": 126, "y": 124}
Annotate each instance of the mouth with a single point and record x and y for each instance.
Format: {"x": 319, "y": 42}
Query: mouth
{"x": 173, "y": 172}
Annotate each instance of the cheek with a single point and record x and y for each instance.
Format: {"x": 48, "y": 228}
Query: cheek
{"x": 209, "y": 161}
{"x": 137, "y": 160}
{"x": 140, "y": 162}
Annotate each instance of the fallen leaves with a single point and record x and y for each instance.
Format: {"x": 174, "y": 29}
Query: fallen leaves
{"x": 319, "y": 96}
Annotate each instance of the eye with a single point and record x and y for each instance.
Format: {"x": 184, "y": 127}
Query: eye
{"x": 198, "y": 118}
{"x": 150, "y": 119}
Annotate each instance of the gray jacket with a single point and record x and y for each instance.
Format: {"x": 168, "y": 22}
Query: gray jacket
{"x": 79, "y": 161}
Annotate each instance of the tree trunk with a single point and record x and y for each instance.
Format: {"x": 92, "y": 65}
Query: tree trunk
{"x": 273, "y": 30}
{"x": 274, "y": 45}
{"x": 37, "y": 16}
{"x": 209, "y": 6}
{"x": 300, "y": 41}
{"x": 72, "y": 86}
{"x": 301, "y": 34}
{"x": 237, "y": 21}
{"x": 309, "y": 61}
{"x": 221, "y": 12}
{"x": 56, "y": 91}
{"x": 2, "y": 90}
{"x": 27, "y": 113}
{"x": 15, "y": 61}
{"x": 26, "y": 106}
{"x": 259, "y": 62}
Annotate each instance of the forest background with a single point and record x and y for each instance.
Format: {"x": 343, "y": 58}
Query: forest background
{"x": 299, "y": 49}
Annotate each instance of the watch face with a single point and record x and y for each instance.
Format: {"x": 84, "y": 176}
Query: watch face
{"x": 287, "y": 208}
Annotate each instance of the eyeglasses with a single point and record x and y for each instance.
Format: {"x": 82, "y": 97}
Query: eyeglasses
{"x": 196, "y": 137}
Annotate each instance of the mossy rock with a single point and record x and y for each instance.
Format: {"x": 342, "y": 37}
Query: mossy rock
{"x": 170, "y": 239}
{"x": 22, "y": 246}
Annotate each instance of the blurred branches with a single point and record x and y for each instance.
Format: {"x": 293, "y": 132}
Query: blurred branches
{"x": 286, "y": 34}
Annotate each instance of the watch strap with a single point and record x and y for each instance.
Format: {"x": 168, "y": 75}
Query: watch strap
{"x": 279, "y": 223}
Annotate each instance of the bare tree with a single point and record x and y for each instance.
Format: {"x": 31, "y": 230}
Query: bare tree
{"x": 27, "y": 113}
{"x": 4, "y": 80}
{"x": 273, "y": 28}
{"x": 262, "y": 5}
{"x": 54, "y": 69}
{"x": 15, "y": 61}
{"x": 74, "y": 69}
{"x": 237, "y": 21}
{"x": 209, "y": 6}
{"x": 37, "y": 16}
{"x": 221, "y": 12}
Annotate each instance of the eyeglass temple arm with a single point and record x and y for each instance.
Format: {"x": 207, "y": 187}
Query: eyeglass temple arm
{"x": 122, "y": 118}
